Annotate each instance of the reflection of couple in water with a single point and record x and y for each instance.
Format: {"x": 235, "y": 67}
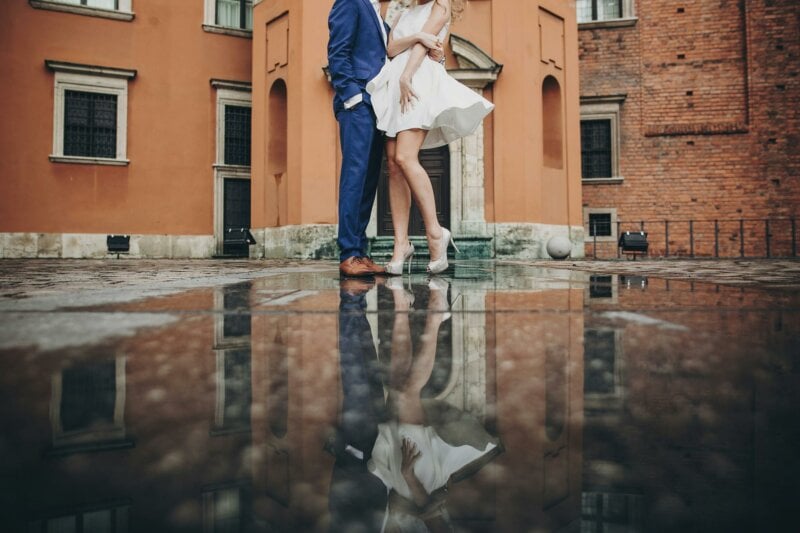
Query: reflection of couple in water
{"x": 397, "y": 453}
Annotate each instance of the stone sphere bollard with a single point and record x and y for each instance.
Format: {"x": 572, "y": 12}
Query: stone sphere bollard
{"x": 559, "y": 247}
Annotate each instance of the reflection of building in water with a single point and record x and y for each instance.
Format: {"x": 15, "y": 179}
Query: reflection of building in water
{"x": 534, "y": 357}
{"x": 226, "y": 507}
{"x": 655, "y": 418}
{"x": 106, "y": 517}
{"x": 232, "y": 326}
{"x": 674, "y": 395}
{"x": 87, "y": 407}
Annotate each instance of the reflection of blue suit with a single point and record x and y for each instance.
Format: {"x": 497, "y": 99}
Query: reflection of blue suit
{"x": 357, "y": 498}
{"x": 356, "y": 53}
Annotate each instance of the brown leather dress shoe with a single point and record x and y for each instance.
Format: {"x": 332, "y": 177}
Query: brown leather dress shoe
{"x": 376, "y": 269}
{"x": 356, "y": 286}
{"x": 354, "y": 267}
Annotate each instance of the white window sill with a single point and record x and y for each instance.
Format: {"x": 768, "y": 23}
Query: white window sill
{"x": 82, "y": 10}
{"x": 611, "y": 23}
{"x": 605, "y": 238}
{"x": 231, "y": 168}
{"x": 603, "y": 181}
{"x": 222, "y": 30}
{"x": 89, "y": 160}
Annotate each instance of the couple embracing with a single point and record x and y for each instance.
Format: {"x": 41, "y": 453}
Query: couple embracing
{"x": 392, "y": 93}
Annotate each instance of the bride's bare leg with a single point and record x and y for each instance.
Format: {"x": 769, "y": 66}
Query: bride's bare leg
{"x": 407, "y": 158}
{"x": 409, "y": 399}
{"x": 399, "y": 201}
{"x": 401, "y": 357}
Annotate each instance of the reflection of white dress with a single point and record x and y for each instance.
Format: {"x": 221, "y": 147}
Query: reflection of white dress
{"x": 438, "y": 460}
{"x": 445, "y": 107}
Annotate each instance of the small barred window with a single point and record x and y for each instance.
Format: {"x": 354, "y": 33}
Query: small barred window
{"x": 596, "y": 149}
{"x": 90, "y": 124}
{"x": 237, "y": 135}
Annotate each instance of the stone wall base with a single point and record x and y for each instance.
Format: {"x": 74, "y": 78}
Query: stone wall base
{"x": 529, "y": 241}
{"x": 312, "y": 241}
{"x": 93, "y": 246}
{"x": 308, "y": 241}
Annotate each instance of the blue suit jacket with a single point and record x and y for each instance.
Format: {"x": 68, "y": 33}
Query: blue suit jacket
{"x": 356, "y": 49}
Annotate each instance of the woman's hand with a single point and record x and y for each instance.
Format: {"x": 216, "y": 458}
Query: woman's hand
{"x": 407, "y": 94}
{"x": 410, "y": 456}
{"x": 429, "y": 41}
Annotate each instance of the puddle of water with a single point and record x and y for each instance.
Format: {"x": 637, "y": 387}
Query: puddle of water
{"x": 502, "y": 398}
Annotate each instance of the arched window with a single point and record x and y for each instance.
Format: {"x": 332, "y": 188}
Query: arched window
{"x": 278, "y": 129}
{"x": 552, "y": 123}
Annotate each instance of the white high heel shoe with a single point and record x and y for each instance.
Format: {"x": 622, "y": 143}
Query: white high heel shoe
{"x": 395, "y": 268}
{"x": 442, "y": 286}
{"x": 440, "y": 265}
{"x": 396, "y": 284}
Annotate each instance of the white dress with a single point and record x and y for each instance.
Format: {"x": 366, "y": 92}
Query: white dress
{"x": 446, "y": 108}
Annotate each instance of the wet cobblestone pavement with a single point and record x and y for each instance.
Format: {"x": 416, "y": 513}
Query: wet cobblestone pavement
{"x": 503, "y": 396}
{"x": 774, "y": 273}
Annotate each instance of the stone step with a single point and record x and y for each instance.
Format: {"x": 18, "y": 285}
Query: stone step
{"x": 469, "y": 248}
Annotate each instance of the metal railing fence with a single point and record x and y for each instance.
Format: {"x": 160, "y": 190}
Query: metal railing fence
{"x": 717, "y": 238}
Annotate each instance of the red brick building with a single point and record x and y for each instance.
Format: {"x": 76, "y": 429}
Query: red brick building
{"x": 689, "y": 112}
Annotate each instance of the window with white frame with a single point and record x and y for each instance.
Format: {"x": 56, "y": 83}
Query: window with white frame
{"x": 600, "y": 223}
{"x": 600, "y": 138}
{"x": 116, "y": 9}
{"x": 90, "y": 114}
{"x": 87, "y": 407}
{"x": 224, "y": 507}
{"x": 235, "y": 15}
{"x": 600, "y": 10}
{"x": 234, "y": 115}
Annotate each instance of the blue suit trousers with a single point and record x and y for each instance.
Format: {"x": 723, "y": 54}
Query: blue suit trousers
{"x": 362, "y": 152}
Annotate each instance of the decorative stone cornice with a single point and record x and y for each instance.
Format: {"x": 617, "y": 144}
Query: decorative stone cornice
{"x": 222, "y": 30}
{"x": 92, "y": 70}
{"x": 613, "y": 23}
{"x": 245, "y": 86}
{"x": 82, "y": 10}
{"x": 604, "y": 99}
{"x": 476, "y": 69}
{"x": 470, "y": 56}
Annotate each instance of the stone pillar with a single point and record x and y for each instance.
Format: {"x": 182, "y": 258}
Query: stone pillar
{"x": 467, "y": 185}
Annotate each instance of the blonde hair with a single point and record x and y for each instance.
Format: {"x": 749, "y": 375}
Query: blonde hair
{"x": 397, "y": 7}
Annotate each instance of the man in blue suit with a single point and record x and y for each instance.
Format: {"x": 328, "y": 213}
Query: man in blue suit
{"x": 356, "y": 53}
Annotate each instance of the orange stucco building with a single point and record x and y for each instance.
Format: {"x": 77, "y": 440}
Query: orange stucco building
{"x": 179, "y": 123}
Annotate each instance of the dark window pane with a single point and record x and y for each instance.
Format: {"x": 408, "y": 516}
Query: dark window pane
{"x": 88, "y": 395}
{"x": 236, "y": 300}
{"x": 600, "y": 224}
{"x": 238, "y": 394}
{"x": 600, "y": 352}
{"x": 612, "y": 9}
{"x": 600, "y": 287}
{"x": 596, "y": 148}
{"x": 237, "y": 135}
{"x": 90, "y": 124}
